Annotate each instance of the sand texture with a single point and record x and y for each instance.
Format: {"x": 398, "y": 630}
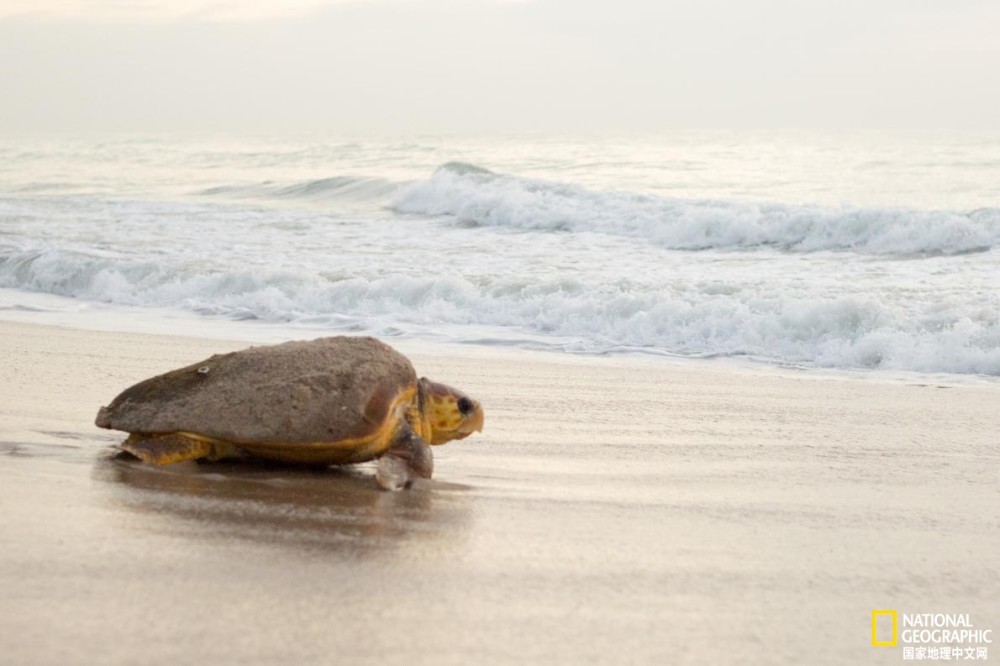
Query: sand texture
{"x": 615, "y": 510}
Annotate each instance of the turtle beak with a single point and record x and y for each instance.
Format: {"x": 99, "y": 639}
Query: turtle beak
{"x": 475, "y": 422}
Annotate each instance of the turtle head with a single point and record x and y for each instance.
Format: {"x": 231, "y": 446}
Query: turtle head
{"x": 450, "y": 413}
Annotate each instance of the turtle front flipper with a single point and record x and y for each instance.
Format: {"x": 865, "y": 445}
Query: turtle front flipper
{"x": 407, "y": 458}
{"x": 166, "y": 449}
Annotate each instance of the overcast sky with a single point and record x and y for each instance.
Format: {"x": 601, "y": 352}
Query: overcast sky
{"x": 482, "y": 65}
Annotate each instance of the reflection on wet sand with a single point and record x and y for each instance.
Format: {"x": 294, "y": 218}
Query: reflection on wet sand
{"x": 332, "y": 509}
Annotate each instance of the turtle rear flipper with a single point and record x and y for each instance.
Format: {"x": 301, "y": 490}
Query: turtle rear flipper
{"x": 166, "y": 449}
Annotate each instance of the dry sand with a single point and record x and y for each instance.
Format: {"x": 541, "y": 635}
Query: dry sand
{"x": 614, "y": 511}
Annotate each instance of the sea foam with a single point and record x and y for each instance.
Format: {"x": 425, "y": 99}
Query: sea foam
{"x": 466, "y": 254}
{"x": 701, "y": 320}
{"x": 478, "y": 197}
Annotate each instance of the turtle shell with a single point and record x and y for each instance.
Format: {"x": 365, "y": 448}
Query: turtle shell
{"x": 331, "y": 391}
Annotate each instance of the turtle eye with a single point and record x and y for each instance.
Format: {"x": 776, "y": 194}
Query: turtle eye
{"x": 465, "y": 406}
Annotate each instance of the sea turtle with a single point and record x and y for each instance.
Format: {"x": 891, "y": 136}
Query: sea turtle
{"x": 330, "y": 401}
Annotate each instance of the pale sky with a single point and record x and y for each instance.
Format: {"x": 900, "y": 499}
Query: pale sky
{"x": 497, "y": 65}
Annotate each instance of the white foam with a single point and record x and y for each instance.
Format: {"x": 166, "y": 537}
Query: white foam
{"x": 250, "y": 237}
{"x": 837, "y": 331}
{"x": 475, "y": 196}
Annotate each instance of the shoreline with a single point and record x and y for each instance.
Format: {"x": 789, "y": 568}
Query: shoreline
{"x": 226, "y": 331}
{"x": 613, "y": 510}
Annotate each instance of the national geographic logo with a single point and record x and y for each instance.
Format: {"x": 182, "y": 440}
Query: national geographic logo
{"x": 884, "y": 616}
{"x": 931, "y": 636}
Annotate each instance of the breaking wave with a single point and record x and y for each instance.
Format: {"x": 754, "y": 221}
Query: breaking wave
{"x": 478, "y": 197}
{"x": 699, "y": 320}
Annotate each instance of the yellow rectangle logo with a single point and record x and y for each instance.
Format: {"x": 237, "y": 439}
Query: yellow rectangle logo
{"x": 875, "y": 640}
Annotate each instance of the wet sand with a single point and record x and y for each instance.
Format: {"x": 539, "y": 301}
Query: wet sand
{"x": 620, "y": 510}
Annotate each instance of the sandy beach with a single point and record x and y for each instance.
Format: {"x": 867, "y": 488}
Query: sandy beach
{"x": 615, "y": 510}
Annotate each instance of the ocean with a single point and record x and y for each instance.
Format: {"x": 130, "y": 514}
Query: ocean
{"x": 854, "y": 250}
